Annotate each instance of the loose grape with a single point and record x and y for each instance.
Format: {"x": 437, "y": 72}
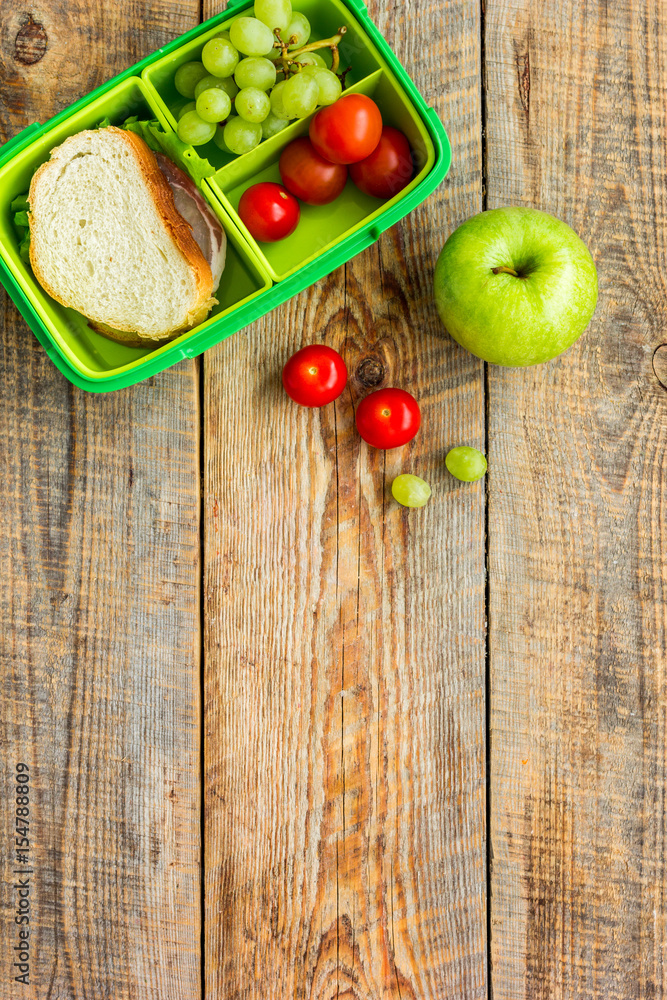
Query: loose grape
{"x": 328, "y": 85}
{"x": 242, "y": 136}
{"x": 210, "y": 82}
{"x": 251, "y": 37}
{"x": 299, "y": 29}
{"x": 252, "y": 104}
{"x": 219, "y": 57}
{"x": 190, "y": 106}
{"x": 274, "y": 13}
{"x": 272, "y": 125}
{"x": 277, "y": 106}
{"x": 194, "y": 130}
{"x": 213, "y": 105}
{"x": 410, "y": 491}
{"x": 255, "y": 72}
{"x": 187, "y": 77}
{"x": 300, "y": 96}
{"x": 466, "y": 464}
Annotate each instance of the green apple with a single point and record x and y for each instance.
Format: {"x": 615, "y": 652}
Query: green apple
{"x": 515, "y": 286}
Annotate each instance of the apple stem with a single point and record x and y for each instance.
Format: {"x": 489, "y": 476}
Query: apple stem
{"x": 505, "y": 270}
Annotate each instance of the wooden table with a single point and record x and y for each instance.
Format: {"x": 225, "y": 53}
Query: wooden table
{"x": 285, "y": 739}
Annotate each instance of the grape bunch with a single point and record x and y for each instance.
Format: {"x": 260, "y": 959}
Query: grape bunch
{"x": 255, "y": 77}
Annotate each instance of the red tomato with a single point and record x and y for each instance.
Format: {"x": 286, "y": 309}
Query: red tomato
{"x": 388, "y": 418}
{"x": 315, "y": 375}
{"x": 269, "y": 212}
{"x": 348, "y": 130}
{"x": 389, "y": 167}
{"x": 308, "y": 175}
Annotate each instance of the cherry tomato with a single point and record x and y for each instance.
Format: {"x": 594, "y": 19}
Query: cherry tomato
{"x": 308, "y": 175}
{"x": 269, "y": 212}
{"x": 315, "y": 375}
{"x": 389, "y": 167}
{"x": 388, "y": 418}
{"x": 348, "y": 130}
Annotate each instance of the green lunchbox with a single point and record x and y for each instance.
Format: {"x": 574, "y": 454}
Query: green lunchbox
{"x": 257, "y": 277}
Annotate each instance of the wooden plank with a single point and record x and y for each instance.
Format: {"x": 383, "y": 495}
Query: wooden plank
{"x": 576, "y": 94}
{"x": 99, "y": 643}
{"x": 344, "y": 642}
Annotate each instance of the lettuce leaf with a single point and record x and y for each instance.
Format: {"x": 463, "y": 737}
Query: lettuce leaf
{"x": 142, "y": 129}
{"x": 20, "y": 208}
{"x": 196, "y": 166}
{"x": 24, "y": 247}
{"x": 20, "y": 203}
{"x": 160, "y": 141}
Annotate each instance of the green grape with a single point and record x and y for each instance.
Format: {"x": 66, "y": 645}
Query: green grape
{"x": 299, "y": 28}
{"x": 213, "y": 105}
{"x": 466, "y": 464}
{"x": 311, "y": 59}
{"x": 219, "y": 57}
{"x": 251, "y": 37}
{"x": 328, "y": 85}
{"x": 187, "y": 77}
{"x": 219, "y": 139}
{"x": 210, "y": 82}
{"x": 274, "y": 13}
{"x": 272, "y": 125}
{"x": 241, "y": 136}
{"x": 252, "y": 104}
{"x": 410, "y": 491}
{"x": 300, "y": 96}
{"x": 246, "y": 13}
{"x": 190, "y": 106}
{"x": 194, "y": 130}
{"x": 277, "y": 105}
{"x": 255, "y": 72}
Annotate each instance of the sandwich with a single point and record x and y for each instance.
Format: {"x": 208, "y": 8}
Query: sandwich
{"x": 121, "y": 234}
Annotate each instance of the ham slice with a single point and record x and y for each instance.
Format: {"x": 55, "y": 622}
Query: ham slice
{"x": 206, "y": 230}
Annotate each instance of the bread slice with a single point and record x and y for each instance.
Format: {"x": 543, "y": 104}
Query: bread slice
{"x": 106, "y": 239}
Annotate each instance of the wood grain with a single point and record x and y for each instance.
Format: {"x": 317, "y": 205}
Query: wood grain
{"x": 576, "y": 96}
{"x": 99, "y": 604}
{"x": 344, "y": 672}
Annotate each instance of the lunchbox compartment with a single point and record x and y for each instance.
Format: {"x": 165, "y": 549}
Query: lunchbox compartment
{"x": 90, "y": 353}
{"x": 322, "y": 226}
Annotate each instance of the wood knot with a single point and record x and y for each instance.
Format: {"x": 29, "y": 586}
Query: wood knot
{"x": 31, "y": 42}
{"x": 370, "y": 372}
{"x": 660, "y": 364}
